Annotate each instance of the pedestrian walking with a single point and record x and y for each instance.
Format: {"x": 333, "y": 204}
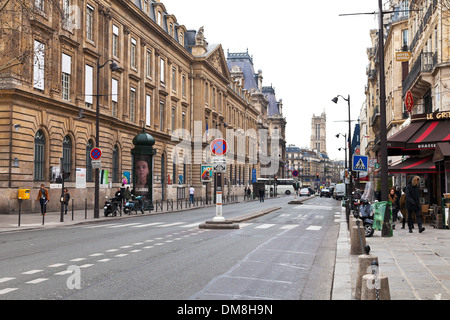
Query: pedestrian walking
{"x": 249, "y": 192}
{"x": 191, "y": 194}
{"x": 395, "y": 204}
{"x": 66, "y": 200}
{"x": 127, "y": 194}
{"x": 403, "y": 210}
{"x": 413, "y": 204}
{"x": 261, "y": 195}
{"x": 43, "y": 199}
{"x": 122, "y": 192}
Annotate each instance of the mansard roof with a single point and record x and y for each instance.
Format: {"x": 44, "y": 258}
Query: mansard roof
{"x": 245, "y": 62}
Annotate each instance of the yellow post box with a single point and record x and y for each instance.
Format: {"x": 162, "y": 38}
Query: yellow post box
{"x": 24, "y": 194}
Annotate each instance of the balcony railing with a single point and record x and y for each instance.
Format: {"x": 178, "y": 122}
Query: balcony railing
{"x": 424, "y": 63}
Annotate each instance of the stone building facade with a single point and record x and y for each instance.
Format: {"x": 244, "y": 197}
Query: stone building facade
{"x": 146, "y": 69}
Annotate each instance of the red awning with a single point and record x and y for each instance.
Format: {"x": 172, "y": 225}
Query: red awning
{"x": 429, "y": 134}
{"x": 415, "y": 165}
{"x": 399, "y": 139}
{"x": 418, "y": 136}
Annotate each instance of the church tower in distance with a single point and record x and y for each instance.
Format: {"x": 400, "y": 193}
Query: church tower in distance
{"x": 319, "y": 132}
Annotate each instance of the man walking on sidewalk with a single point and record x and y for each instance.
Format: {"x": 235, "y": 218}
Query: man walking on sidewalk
{"x": 413, "y": 203}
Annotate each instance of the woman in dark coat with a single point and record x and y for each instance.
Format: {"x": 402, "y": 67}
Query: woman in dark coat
{"x": 413, "y": 203}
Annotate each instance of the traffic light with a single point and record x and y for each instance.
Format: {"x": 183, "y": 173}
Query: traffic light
{"x": 317, "y": 176}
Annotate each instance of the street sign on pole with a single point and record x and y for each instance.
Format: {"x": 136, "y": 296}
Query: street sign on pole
{"x": 96, "y": 164}
{"x": 219, "y": 147}
{"x": 96, "y": 154}
{"x": 360, "y": 163}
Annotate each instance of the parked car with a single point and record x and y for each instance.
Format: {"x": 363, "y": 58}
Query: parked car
{"x": 304, "y": 192}
{"x": 339, "y": 191}
{"x": 325, "y": 193}
{"x": 331, "y": 191}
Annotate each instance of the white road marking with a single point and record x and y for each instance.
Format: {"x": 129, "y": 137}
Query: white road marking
{"x": 7, "y": 290}
{"x": 289, "y": 226}
{"x": 38, "y": 280}
{"x": 32, "y": 271}
{"x": 147, "y": 225}
{"x": 104, "y": 260}
{"x": 124, "y": 225}
{"x": 56, "y": 265}
{"x": 62, "y": 273}
{"x": 78, "y": 259}
{"x": 265, "y": 226}
{"x": 170, "y": 224}
{"x": 195, "y": 224}
{"x": 6, "y": 279}
{"x": 102, "y": 226}
{"x": 314, "y": 228}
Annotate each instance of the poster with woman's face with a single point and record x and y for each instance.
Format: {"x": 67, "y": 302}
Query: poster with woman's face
{"x": 142, "y": 168}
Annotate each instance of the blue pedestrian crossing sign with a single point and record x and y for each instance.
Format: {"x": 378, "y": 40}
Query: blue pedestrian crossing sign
{"x": 360, "y": 163}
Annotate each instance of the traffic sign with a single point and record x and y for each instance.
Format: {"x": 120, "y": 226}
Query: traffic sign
{"x": 96, "y": 154}
{"x": 96, "y": 164}
{"x": 409, "y": 101}
{"x": 219, "y": 147}
{"x": 360, "y": 163}
{"x": 295, "y": 173}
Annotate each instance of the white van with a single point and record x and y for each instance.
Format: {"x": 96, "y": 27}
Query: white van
{"x": 339, "y": 191}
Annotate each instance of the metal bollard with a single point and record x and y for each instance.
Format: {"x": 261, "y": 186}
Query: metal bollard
{"x": 72, "y": 209}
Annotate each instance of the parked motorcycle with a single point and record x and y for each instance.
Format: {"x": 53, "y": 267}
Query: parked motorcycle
{"x": 135, "y": 204}
{"x": 363, "y": 211}
{"x": 112, "y": 207}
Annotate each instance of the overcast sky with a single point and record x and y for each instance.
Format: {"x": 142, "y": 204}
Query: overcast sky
{"x": 306, "y": 51}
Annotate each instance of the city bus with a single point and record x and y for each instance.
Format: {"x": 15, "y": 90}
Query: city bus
{"x": 283, "y": 186}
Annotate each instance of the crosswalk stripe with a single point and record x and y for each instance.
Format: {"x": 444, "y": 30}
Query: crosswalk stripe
{"x": 124, "y": 225}
{"x": 289, "y": 226}
{"x": 245, "y": 224}
{"x": 265, "y": 226}
{"x": 147, "y": 225}
{"x": 170, "y": 224}
{"x": 102, "y": 226}
{"x": 191, "y": 225}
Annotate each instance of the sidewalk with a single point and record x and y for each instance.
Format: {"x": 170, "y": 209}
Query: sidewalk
{"x": 417, "y": 264}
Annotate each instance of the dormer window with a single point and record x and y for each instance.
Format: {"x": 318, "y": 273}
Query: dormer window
{"x": 181, "y": 38}
{"x": 171, "y": 29}
{"x": 159, "y": 18}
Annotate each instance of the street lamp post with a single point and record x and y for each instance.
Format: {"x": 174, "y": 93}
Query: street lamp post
{"x": 350, "y": 164}
{"x": 113, "y": 67}
{"x": 345, "y": 147}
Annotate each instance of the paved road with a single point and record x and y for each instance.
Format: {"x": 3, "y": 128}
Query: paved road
{"x": 287, "y": 254}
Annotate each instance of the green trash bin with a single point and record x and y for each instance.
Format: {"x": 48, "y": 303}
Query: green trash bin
{"x": 379, "y": 212}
